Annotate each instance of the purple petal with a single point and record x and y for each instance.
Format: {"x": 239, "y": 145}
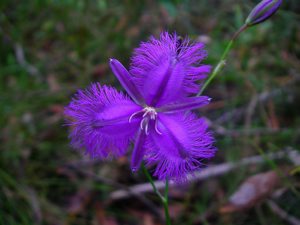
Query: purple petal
{"x": 181, "y": 147}
{"x": 188, "y": 104}
{"x": 164, "y": 83}
{"x": 126, "y": 81}
{"x": 157, "y": 55}
{"x": 196, "y": 73}
{"x": 99, "y": 120}
{"x": 138, "y": 151}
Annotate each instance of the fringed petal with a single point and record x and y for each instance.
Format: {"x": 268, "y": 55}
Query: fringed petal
{"x": 181, "y": 147}
{"x": 187, "y": 56}
{"x": 164, "y": 83}
{"x": 98, "y": 117}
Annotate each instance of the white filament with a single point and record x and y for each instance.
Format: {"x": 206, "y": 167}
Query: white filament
{"x": 149, "y": 113}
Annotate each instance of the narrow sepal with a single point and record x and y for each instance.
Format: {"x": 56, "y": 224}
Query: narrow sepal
{"x": 188, "y": 104}
{"x": 138, "y": 151}
{"x": 126, "y": 81}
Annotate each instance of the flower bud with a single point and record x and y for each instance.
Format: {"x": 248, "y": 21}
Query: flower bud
{"x": 264, "y": 10}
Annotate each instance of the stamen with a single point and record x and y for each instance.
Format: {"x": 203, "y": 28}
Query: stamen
{"x": 156, "y": 127}
{"x": 148, "y": 113}
{"x": 134, "y": 114}
{"x": 152, "y": 116}
{"x": 146, "y": 128}
{"x": 142, "y": 124}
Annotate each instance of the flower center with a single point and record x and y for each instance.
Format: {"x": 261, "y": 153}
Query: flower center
{"x": 148, "y": 113}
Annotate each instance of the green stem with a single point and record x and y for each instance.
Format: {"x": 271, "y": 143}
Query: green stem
{"x": 222, "y": 61}
{"x": 163, "y": 199}
{"x": 152, "y": 182}
{"x": 166, "y": 203}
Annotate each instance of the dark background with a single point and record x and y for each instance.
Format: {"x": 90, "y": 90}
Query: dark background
{"x": 51, "y": 48}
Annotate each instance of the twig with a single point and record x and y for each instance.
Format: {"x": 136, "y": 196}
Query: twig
{"x": 282, "y": 214}
{"x": 83, "y": 163}
{"x": 20, "y": 56}
{"x": 115, "y": 184}
{"x": 264, "y": 96}
{"x": 222, "y": 131}
{"x": 250, "y": 111}
{"x": 206, "y": 173}
{"x": 256, "y": 131}
{"x": 238, "y": 112}
{"x": 35, "y": 205}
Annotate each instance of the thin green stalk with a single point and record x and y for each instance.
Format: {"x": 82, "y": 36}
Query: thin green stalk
{"x": 222, "y": 61}
{"x": 166, "y": 203}
{"x": 152, "y": 182}
{"x": 163, "y": 199}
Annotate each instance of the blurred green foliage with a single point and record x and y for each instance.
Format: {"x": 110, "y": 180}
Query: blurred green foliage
{"x": 51, "y": 48}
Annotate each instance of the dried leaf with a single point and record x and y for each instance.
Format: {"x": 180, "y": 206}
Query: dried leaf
{"x": 100, "y": 71}
{"x": 273, "y": 119}
{"x": 146, "y": 217}
{"x": 79, "y": 201}
{"x": 176, "y": 210}
{"x": 102, "y": 218}
{"x": 56, "y": 109}
{"x": 54, "y": 85}
{"x": 251, "y": 192}
{"x": 66, "y": 172}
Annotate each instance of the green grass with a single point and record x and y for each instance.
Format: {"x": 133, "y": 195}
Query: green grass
{"x": 69, "y": 43}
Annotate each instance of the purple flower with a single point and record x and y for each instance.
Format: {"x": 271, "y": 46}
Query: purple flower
{"x": 264, "y": 10}
{"x": 156, "y": 115}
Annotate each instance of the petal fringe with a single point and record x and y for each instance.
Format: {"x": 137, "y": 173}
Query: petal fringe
{"x": 182, "y": 147}
{"x": 90, "y": 115}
